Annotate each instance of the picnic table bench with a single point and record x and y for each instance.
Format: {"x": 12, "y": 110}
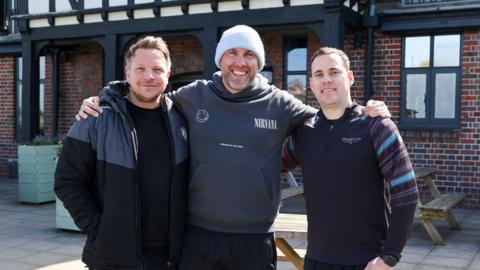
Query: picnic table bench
{"x": 295, "y": 225}
{"x": 437, "y": 208}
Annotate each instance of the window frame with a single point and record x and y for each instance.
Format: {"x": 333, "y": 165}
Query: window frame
{"x": 18, "y": 97}
{"x": 430, "y": 122}
{"x": 287, "y": 45}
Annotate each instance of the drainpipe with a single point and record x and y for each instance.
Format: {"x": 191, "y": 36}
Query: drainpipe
{"x": 371, "y": 22}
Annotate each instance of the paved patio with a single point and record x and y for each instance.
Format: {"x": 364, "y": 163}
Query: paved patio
{"x": 29, "y": 240}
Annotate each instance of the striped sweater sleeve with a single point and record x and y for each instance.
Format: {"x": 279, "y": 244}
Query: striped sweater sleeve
{"x": 394, "y": 162}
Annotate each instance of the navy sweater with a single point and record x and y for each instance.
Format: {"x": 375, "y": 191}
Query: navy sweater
{"x": 355, "y": 170}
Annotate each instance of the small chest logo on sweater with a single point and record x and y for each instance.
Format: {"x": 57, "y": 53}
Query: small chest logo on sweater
{"x": 351, "y": 140}
{"x": 202, "y": 116}
{"x": 265, "y": 123}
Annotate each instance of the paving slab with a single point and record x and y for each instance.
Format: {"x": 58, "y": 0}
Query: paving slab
{"x": 30, "y": 241}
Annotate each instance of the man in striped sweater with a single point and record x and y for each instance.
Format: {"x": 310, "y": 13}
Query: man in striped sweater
{"x": 360, "y": 187}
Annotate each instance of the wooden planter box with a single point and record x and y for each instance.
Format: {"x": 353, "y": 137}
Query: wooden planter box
{"x": 36, "y": 169}
{"x": 63, "y": 219}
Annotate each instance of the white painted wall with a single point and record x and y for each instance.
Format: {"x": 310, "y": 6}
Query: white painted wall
{"x": 114, "y": 3}
{"x": 92, "y": 18}
{"x": 143, "y": 1}
{"x": 62, "y": 5}
{"x": 305, "y": 2}
{"x": 143, "y": 13}
{"x": 257, "y": 4}
{"x": 229, "y": 6}
{"x": 117, "y": 16}
{"x": 39, "y": 23}
{"x": 67, "y": 20}
{"x": 171, "y": 11}
{"x": 199, "y": 8}
{"x": 37, "y": 6}
{"x": 92, "y": 4}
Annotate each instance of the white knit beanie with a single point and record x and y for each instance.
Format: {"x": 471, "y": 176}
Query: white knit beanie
{"x": 241, "y": 36}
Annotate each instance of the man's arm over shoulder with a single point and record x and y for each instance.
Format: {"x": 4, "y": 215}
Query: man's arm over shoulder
{"x": 298, "y": 111}
{"x": 75, "y": 173}
{"x": 397, "y": 170}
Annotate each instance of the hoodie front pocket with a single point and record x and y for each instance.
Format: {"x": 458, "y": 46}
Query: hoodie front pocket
{"x": 230, "y": 195}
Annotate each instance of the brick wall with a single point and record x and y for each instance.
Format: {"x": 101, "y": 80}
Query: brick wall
{"x": 186, "y": 54}
{"x": 81, "y": 75}
{"x": 454, "y": 153}
{"x": 8, "y": 147}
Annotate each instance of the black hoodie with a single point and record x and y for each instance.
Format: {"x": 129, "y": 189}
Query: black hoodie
{"x": 235, "y": 145}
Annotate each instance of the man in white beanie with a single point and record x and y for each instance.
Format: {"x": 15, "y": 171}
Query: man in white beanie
{"x": 237, "y": 124}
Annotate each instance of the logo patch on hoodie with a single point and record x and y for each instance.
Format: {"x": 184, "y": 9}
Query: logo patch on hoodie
{"x": 202, "y": 116}
{"x": 265, "y": 123}
{"x": 351, "y": 140}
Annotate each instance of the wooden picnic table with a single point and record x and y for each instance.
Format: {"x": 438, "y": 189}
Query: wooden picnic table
{"x": 437, "y": 208}
{"x": 295, "y": 225}
{"x": 290, "y": 226}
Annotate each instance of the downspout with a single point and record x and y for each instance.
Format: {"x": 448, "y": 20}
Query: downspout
{"x": 370, "y": 21}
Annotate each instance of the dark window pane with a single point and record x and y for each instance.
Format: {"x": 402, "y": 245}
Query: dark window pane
{"x": 445, "y": 95}
{"x": 267, "y": 74}
{"x": 446, "y": 51}
{"x": 296, "y": 85}
{"x": 417, "y": 52}
{"x": 297, "y": 59}
{"x": 416, "y": 91}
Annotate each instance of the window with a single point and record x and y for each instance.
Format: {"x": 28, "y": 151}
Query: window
{"x": 296, "y": 66}
{"x": 9, "y": 9}
{"x": 18, "y": 88}
{"x": 431, "y": 82}
{"x": 19, "y": 96}
{"x": 41, "y": 96}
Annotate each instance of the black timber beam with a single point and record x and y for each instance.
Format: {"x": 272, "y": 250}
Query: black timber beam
{"x": 111, "y": 60}
{"x": 261, "y": 17}
{"x": 432, "y": 20}
{"x": 208, "y": 37}
{"x": 30, "y": 91}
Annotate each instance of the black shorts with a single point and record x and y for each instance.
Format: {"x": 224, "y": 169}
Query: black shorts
{"x": 211, "y": 250}
{"x": 311, "y": 264}
{"x": 153, "y": 259}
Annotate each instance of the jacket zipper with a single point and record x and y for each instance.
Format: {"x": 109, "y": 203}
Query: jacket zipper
{"x": 173, "y": 188}
{"x": 329, "y": 138}
{"x": 137, "y": 199}
{"x": 128, "y": 124}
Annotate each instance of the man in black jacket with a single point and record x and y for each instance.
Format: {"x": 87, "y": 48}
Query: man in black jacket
{"x": 122, "y": 176}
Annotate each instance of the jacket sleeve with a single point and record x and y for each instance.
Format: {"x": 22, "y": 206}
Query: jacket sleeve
{"x": 74, "y": 175}
{"x": 399, "y": 178}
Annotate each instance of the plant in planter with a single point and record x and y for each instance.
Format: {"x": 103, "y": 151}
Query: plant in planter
{"x": 36, "y": 168}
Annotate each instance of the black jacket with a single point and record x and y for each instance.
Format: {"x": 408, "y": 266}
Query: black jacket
{"x": 96, "y": 180}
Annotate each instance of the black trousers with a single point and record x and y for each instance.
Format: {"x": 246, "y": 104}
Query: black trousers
{"x": 210, "y": 250}
{"x": 311, "y": 264}
{"x": 153, "y": 258}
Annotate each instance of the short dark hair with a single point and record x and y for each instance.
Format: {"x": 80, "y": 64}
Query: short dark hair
{"x": 330, "y": 50}
{"x": 148, "y": 42}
